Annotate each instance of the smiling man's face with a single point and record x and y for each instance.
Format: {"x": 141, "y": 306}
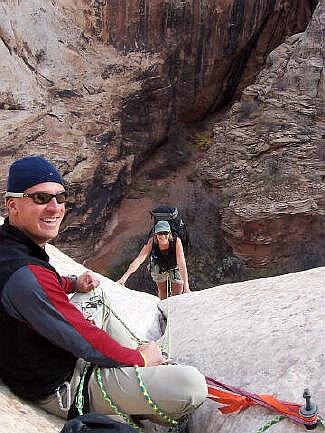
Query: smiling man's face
{"x": 41, "y": 222}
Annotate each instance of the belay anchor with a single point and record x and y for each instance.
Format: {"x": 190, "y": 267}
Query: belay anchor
{"x": 236, "y": 399}
{"x": 309, "y": 410}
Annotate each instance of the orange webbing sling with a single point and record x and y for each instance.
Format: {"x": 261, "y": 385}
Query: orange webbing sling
{"x": 237, "y": 399}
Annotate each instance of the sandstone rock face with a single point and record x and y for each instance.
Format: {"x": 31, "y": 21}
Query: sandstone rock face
{"x": 206, "y": 46}
{"x": 268, "y": 158}
{"x": 18, "y": 416}
{"x": 95, "y": 86}
{"x": 262, "y": 335}
{"x": 62, "y": 96}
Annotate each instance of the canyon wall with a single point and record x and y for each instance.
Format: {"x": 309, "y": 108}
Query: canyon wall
{"x": 268, "y": 158}
{"x": 96, "y": 86}
{"x": 206, "y": 47}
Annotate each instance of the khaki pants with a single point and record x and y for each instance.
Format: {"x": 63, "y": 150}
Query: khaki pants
{"x": 176, "y": 389}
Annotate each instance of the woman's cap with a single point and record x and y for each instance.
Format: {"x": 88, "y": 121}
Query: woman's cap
{"x": 32, "y": 170}
{"x": 162, "y": 226}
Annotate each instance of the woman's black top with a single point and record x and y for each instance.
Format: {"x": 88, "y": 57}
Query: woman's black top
{"x": 166, "y": 259}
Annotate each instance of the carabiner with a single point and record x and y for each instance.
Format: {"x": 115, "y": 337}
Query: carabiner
{"x": 58, "y": 394}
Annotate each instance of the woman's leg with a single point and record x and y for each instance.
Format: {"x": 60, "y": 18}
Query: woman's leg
{"x": 176, "y": 281}
{"x": 160, "y": 280}
{"x": 177, "y": 288}
{"x": 162, "y": 290}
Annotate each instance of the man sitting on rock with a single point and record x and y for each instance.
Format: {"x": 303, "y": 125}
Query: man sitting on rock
{"x": 46, "y": 341}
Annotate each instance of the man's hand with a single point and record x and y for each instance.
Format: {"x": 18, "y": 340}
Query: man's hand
{"x": 86, "y": 282}
{"x": 151, "y": 354}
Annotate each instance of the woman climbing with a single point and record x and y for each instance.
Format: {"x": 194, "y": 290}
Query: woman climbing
{"x": 167, "y": 260}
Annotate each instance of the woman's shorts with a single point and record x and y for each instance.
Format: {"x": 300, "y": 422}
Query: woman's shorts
{"x": 173, "y": 274}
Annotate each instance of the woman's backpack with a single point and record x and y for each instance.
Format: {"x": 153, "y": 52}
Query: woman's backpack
{"x": 177, "y": 225}
{"x": 95, "y": 423}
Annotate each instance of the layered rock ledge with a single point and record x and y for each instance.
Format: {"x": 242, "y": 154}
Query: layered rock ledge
{"x": 268, "y": 158}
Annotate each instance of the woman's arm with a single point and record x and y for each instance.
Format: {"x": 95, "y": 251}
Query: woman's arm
{"x": 181, "y": 263}
{"x": 144, "y": 253}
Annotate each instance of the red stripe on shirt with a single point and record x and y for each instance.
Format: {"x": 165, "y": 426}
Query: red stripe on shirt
{"x": 95, "y": 336}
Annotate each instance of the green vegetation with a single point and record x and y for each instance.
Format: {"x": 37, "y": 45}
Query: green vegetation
{"x": 40, "y": 55}
{"x": 202, "y": 141}
{"x": 232, "y": 269}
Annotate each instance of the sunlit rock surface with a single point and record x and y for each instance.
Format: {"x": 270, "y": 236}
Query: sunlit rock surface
{"x": 265, "y": 335}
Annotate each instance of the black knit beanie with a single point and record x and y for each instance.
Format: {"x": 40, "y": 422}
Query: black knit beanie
{"x": 32, "y": 170}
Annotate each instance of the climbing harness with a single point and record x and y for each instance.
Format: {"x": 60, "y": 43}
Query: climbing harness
{"x": 236, "y": 399}
{"x": 58, "y": 392}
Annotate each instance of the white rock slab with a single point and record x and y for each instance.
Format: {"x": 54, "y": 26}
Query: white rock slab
{"x": 17, "y": 416}
{"x": 264, "y": 335}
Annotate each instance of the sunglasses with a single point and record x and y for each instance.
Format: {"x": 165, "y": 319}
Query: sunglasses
{"x": 162, "y": 233}
{"x": 40, "y": 197}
